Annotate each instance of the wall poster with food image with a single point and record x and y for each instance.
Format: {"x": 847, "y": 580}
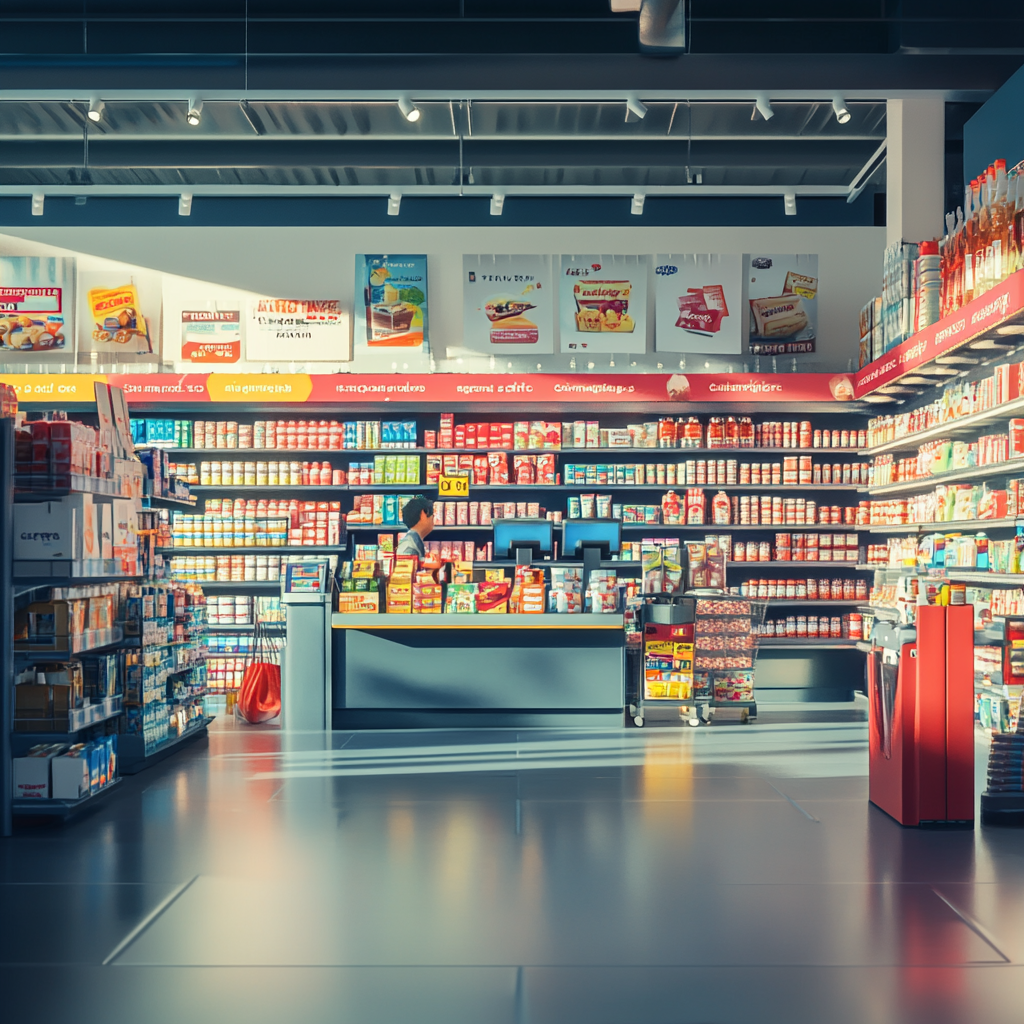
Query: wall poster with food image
{"x": 35, "y": 303}
{"x": 507, "y": 304}
{"x": 699, "y": 303}
{"x": 782, "y": 295}
{"x": 391, "y": 301}
{"x": 602, "y": 303}
{"x": 119, "y": 312}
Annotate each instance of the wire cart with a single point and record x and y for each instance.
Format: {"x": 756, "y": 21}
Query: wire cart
{"x": 663, "y": 662}
{"x": 697, "y": 651}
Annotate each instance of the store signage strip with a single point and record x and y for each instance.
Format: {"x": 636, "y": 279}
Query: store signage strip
{"x": 966, "y": 324}
{"x": 542, "y": 389}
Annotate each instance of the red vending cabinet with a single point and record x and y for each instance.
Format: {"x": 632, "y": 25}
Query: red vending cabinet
{"x": 921, "y": 718}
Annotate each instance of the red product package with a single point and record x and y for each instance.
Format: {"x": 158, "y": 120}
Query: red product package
{"x": 545, "y": 469}
{"x": 695, "y": 314}
{"x": 498, "y": 462}
{"x": 525, "y": 467}
{"x": 480, "y": 467}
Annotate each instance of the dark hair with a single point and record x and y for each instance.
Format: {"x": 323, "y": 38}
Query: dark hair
{"x": 415, "y": 508}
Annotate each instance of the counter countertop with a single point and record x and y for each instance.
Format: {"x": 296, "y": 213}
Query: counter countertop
{"x": 481, "y": 621}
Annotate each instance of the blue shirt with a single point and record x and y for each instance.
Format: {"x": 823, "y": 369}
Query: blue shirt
{"x": 412, "y": 544}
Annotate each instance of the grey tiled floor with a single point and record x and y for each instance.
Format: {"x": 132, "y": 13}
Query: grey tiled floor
{"x": 657, "y": 876}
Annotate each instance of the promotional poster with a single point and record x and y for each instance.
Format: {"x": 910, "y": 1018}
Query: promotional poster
{"x": 699, "y": 303}
{"x": 391, "y": 299}
{"x": 507, "y": 304}
{"x": 602, "y": 304}
{"x": 782, "y": 294}
{"x": 211, "y": 336}
{"x": 119, "y": 312}
{"x": 35, "y": 292}
{"x": 299, "y": 330}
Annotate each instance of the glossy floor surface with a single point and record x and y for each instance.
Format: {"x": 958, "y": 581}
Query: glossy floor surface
{"x": 729, "y": 874}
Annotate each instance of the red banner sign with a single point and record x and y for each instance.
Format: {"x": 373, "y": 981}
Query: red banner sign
{"x": 971, "y": 321}
{"x": 542, "y": 389}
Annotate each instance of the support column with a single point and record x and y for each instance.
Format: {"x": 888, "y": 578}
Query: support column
{"x": 915, "y": 169}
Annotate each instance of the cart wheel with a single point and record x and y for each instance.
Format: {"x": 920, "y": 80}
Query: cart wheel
{"x": 638, "y": 721}
{"x": 694, "y": 722}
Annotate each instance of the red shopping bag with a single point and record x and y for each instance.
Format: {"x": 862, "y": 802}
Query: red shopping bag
{"x": 259, "y": 697}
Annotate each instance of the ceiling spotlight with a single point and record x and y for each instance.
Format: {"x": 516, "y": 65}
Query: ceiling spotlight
{"x": 789, "y": 199}
{"x": 763, "y": 106}
{"x": 409, "y": 109}
{"x": 497, "y": 204}
{"x": 195, "y": 111}
{"x": 1010, "y": 329}
{"x": 636, "y": 108}
{"x": 96, "y": 108}
{"x": 637, "y": 206}
{"x": 37, "y": 204}
{"x": 185, "y": 204}
{"x": 839, "y": 106}
{"x": 394, "y": 204}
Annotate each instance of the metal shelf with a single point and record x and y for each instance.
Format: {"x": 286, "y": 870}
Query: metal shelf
{"x": 813, "y": 643}
{"x": 268, "y": 453}
{"x": 953, "y": 476}
{"x": 797, "y": 565}
{"x": 236, "y": 586}
{"x": 964, "y": 424}
{"x": 80, "y": 484}
{"x": 763, "y": 528}
{"x": 82, "y": 643}
{"x": 284, "y": 549}
{"x": 78, "y": 720}
{"x": 785, "y": 602}
{"x": 291, "y": 488}
{"x": 175, "y": 504}
{"x": 59, "y": 808}
{"x": 68, "y": 572}
{"x": 134, "y": 760}
{"x": 961, "y": 524}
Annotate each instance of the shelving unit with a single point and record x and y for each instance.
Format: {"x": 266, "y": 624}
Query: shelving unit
{"x": 62, "y": 808}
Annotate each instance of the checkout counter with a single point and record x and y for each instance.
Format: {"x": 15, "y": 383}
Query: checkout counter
{"x": 439, "y": 670}
{"x": 358, "y": 671}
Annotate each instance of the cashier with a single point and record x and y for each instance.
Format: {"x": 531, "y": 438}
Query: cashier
{"x": 418, "y": 516}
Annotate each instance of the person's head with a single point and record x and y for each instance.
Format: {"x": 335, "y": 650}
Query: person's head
{"x": 419, "y": 512}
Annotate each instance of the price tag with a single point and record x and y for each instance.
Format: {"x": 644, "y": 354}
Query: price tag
{"x": 453, "y": 486}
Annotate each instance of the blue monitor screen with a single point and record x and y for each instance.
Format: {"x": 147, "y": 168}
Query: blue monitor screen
{"x": 510, "y": 534}
{"x": 578, "y": 533}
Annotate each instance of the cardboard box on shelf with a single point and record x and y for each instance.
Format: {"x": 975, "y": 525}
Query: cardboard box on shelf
{"x": 71, "y": 775}
{"x": 56, "y": 529}
{"x": 32, "y": 772}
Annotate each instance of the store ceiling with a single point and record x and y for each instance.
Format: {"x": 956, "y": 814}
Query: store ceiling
{"x": 504, "y": 145}
{"x": 526, "y": 97}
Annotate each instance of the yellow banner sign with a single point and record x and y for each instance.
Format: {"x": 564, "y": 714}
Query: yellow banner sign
{"x": 48, "y": 387}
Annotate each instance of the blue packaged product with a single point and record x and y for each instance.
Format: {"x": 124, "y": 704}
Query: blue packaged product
{"x": 410, "y": 433}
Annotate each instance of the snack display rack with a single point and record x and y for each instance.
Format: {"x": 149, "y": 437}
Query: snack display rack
{"x": 697, "y": 652}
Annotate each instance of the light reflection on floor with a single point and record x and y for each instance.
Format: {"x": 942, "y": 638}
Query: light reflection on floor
{"x": 728, "y": 874}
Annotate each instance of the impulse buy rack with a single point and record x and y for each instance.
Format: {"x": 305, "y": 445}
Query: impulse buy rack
{"x": 822, "y": 665}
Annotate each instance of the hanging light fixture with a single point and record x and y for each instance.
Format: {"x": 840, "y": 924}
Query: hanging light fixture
{"x": 839, "y": 106}
{"x": 96, "y": 108}
{"x": 409, "y": 109}
{"x": 195, "y": 111}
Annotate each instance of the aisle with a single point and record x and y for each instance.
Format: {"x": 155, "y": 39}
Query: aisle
{"x": 731, "y": 874}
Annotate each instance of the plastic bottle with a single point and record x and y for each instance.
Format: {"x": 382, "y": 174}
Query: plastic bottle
{"x": 1018, "y": 223}
{"x": 982, "y": 240}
